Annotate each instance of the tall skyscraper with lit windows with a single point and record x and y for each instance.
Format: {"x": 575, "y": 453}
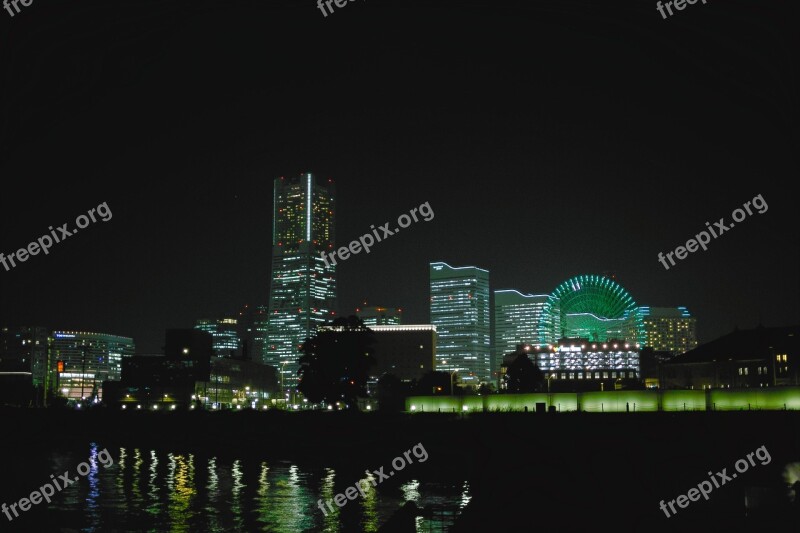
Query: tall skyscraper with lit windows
{"x": 303, "y": 288}
{"x": 516, "y": 320}
{"x": 460, "y": 311}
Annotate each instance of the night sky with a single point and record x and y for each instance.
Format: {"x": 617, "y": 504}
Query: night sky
{"x": 550, "y": 138}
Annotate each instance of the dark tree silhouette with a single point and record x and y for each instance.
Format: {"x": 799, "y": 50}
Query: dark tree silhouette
{"x": 434, "y": 383}
{"x": 392, "y": 393}
{"x": 523, "y": 375}
{"x": 486, "y": 388}
{"x": 335, "y": 365}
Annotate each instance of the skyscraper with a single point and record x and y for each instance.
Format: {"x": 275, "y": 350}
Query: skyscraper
{"x": 460, "y": 311}
{"x": 516, "y": 320}
{"x": 225, "y": 333}
{"x": 669, "y": 329}
{"x": 303, "y": 288}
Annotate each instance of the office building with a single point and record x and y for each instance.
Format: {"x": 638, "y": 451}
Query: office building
{"x": 88, "y": 359}
{"x": 303, "y": 285}
{"x": 380, "y": 316}
{"x": 225, "y": 332}
{"x": 516, "y": 320}
{"x": 460, "y": 311}
{"x": 24, "y": 375}
{"x": 669, "y": 329}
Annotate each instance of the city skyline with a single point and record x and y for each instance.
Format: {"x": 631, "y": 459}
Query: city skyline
{"x": 549, "y": 178}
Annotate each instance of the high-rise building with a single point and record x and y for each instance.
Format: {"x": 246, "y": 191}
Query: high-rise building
{"x": 669, "y": 329}
{"x": 380, "y": 316}
{"x": 88, "y": 359}
{"x": 516, "y": 320}
{"x": 460, "y": 311}
{"x": 23, "y": 360}
{"x": 303, "y": 287}
{"x": 225, "y": 333}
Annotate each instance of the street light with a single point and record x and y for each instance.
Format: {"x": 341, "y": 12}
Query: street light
{"x": 451, "y": 378}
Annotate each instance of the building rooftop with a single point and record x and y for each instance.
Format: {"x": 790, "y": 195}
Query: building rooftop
{"x": 744, "y": 345}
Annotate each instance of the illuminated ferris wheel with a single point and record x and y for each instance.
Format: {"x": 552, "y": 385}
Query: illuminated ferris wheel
{"x": 592, "y": 307}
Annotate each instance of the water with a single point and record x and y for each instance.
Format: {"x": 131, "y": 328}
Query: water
{"x": 159, "y": 490}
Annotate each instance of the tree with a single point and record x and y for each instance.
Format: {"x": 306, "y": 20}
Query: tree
{"x": 335, "y": 364}
{"x": 392, "y": 393}
{"x": 523, "y": 375}
{"x": 434, "y": 382}
{"x": 486, "y": 388}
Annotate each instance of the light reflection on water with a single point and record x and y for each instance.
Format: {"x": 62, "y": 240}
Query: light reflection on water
{"x": 149, "y": 490}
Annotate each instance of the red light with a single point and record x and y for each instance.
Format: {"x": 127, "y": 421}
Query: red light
{"x": 60, "y": 366}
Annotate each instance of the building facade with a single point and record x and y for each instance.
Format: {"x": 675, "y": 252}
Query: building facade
{"x": 225, "y": 332}
{"x": 462, "y": 316}
{"x": 760, "y": 357}
{"x": 303, "y": 285}
{"x": 239, "y": 384}
{"x": 164, "y": 381}
{"x": 24, "y": 368}
{"x": 669, "y": 329}
{"x": 581, "y": 364}
{"x": 516, "y": 320}
{"x": 88, "y": 359}
{"x": 380, "y": 316}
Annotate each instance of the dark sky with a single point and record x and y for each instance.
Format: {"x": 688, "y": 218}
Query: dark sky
{"x": 550, "y": 138}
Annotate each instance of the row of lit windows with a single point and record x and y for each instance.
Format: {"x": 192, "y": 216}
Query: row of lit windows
{"x": 597, "y": 375}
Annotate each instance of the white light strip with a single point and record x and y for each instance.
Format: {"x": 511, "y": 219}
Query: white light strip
{"x": 308, "y": 209}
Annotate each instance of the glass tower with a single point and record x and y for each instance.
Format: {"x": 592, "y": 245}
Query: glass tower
{"x": 460, "y": 311}
{"x": 517, "y": 319}
{"x": 303, "y": 288}
{"x": 225, "y": 333}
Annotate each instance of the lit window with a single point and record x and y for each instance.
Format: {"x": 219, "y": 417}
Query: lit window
{"x": 580, "y": 375}
{"x": 746, "y": 371}
{"x": 741, "y": 371}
